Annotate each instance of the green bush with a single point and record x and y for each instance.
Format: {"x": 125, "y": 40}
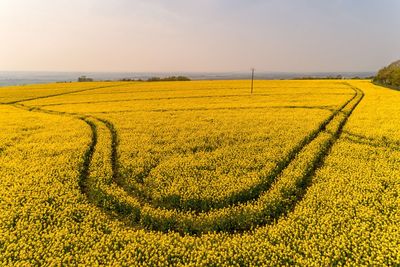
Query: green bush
{"x": 390, "y": 75}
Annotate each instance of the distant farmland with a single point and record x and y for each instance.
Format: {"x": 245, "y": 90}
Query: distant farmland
{"x": 301, "y": 172}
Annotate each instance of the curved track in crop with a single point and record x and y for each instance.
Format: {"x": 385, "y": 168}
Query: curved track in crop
{"x": 243, "y": 211}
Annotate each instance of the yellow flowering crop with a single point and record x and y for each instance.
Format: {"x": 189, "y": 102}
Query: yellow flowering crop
{"x": 200, "y": 173}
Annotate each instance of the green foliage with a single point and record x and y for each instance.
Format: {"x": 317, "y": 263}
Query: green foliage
{"x": 85, "y": 79}
{"x": 389, "y": 75}
{"x": 168, "y": 79}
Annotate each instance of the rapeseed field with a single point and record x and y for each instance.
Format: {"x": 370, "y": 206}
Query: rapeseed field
{"x": 200, "y": 173}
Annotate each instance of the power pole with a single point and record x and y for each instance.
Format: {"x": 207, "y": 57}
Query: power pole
{"x": 252, "y": 79}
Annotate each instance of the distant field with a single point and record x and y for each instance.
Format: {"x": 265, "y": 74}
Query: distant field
{"x": 200, "y": 173}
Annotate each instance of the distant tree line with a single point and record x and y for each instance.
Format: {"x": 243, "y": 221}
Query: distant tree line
{"x": 168, "y": 79}
{"x": 330, "y": 77}
{"x": 158, "y": 79}
{"x": 389, "y": 75}
{"x": 152, "y": 79}
{"x": 85, "y": 79}
{"x": 337, "y": 77}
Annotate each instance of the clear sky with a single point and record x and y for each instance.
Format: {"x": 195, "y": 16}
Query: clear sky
{"x": 199, "y": 35}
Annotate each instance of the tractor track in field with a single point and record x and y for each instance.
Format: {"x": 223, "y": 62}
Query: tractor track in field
{"x": 59, "y": 94}
{"x": 317, "y": 163}
{"x": 114, "y": 147}
{"x": 253, "y": 192}
{"x": 373, "y": 142}
{"x": 289, "y": 197}
{"x": 239, "y": 197}
{"x": 88, "y": 154}
{"x": 326, "y": 107}
{"x": 242, "y": 197}
{"x": 84, "y": 171}
{"x": 176, "y": 98}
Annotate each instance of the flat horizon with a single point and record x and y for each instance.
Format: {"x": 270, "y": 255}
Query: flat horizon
{"x": 217, "y": 72}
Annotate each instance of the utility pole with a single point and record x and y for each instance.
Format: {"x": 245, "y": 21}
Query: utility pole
{"x": 252, "y": 79}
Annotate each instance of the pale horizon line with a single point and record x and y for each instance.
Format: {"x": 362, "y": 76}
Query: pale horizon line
{"x": 174, "y": 71}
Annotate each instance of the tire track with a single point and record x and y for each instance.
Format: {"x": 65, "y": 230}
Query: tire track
{"x": 216, "y": 108}
{"x": 317, "y": 163}
{"x": 59, "y": 94}
{"x": 88, "y": 155}
{"x": 237, "y": 198}
{"x": 181, "y": 97}
{"x": 275, "y": 203}
{"x": 253, "y": 192}
{"x": 255, "y": 221}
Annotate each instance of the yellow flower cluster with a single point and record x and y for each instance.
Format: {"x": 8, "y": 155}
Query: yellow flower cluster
{"x": 85, "y": 169}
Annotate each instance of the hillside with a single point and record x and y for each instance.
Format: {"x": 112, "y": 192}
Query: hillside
{"x": 390, "y": 75}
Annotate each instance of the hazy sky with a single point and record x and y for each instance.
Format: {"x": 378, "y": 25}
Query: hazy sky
{"x": 202, "y": 35}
